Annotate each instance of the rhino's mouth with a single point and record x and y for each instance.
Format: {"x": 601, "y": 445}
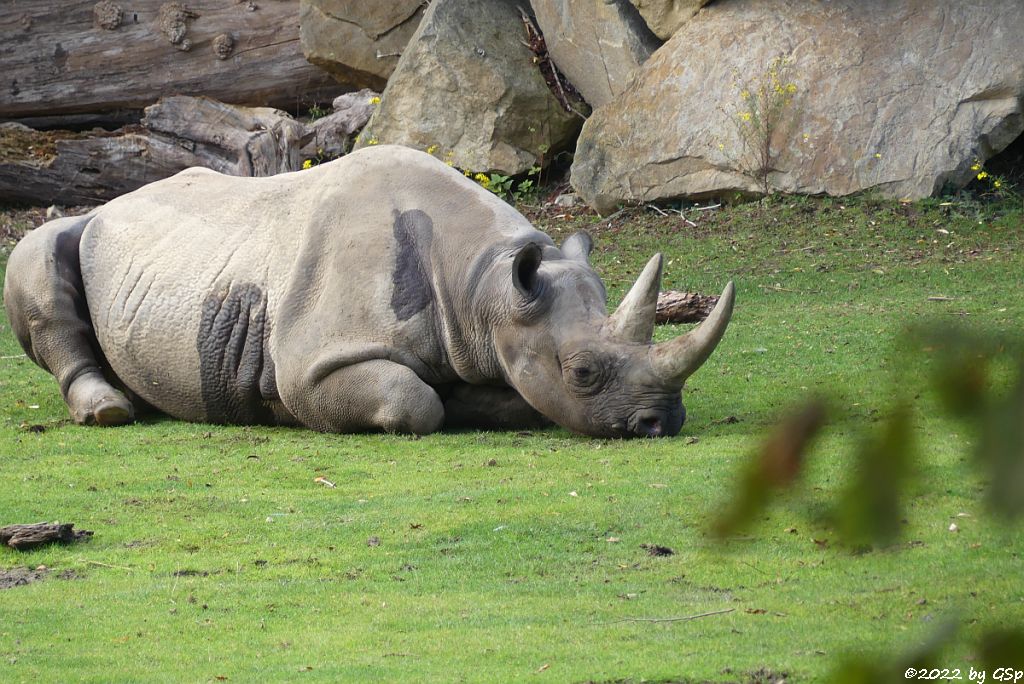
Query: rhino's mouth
{"x": 656, "y": 422}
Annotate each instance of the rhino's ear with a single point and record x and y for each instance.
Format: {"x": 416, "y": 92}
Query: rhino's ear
{"x": 578, "y": 246}
{"x": 525, "y": 267}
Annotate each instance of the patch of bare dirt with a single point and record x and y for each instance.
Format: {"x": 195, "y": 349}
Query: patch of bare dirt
{"x": 19, "y": 577}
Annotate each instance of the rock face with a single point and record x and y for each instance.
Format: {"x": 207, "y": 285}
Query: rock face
{"x": 902, "y": 117}
{"x": 665, "y": 17}
{"x": 597, "y": 45}
{"x": 467, "y": 88}
{"x": 357, "y": 42}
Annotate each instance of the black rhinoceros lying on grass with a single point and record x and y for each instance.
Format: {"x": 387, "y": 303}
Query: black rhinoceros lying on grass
{"x": 380, "y": 291}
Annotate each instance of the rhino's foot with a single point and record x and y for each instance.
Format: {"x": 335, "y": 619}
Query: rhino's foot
{"x": 94, "y": 401}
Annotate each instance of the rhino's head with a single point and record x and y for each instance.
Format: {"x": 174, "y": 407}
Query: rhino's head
{"x": 590, "y": 372}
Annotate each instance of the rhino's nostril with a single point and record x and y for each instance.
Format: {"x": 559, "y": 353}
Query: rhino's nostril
{"x": 649, "y": 426}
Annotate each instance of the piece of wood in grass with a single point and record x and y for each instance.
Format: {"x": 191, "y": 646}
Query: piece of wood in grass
{"x": 683, "y": 307}
{"x": 22, "y": 537}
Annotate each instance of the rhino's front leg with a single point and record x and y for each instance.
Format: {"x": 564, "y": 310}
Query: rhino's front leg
{"x": 370, "y": 395}
{"x": 485, "y": 407}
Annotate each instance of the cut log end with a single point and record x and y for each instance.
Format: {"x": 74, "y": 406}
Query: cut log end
{"x": 22, "y": 537}
{"x": 684, "y": 307}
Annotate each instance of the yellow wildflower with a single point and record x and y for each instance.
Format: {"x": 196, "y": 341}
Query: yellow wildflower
{"x": 745, "y": 94}
{"x": 375, "y": 100}
{"x": 997, "y": 184}
{"x": 744, "y": 116}
{"x": 483, "y": 179}
{"x": 467, "y": 173}
{"x": 308, "y": 164}
{"x": 976, "y": 166}
{"x": 878, "y": 155}
{"x": 983, "y": 175}
{"x": 721, "y": 146}
{"x": 791, "y": 88}
{"x": 432, "y": 149}
{"x": 372, "y": 141}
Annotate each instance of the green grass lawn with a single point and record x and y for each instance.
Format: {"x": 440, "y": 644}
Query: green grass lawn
{"x": 488, "y": 557}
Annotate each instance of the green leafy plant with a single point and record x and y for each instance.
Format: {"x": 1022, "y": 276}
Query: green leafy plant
{"x": 500, "y": 185}
{"x": 316, "y": 112}
{"x": 996, "y": 184}
{"x": 764, "y": 118}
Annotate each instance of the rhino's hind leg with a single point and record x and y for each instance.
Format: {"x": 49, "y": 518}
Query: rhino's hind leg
{"x": 45, "y": 302}
{"x": 94, "y": 401}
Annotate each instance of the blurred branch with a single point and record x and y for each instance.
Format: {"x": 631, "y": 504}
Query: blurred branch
{"x": 869, "y": 511}
{"x": 775, "y": 466}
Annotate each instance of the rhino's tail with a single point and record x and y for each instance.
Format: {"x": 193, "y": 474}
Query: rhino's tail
{"x": 46, "y": 304}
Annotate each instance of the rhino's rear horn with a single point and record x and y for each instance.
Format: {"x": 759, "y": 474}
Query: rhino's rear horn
{"x": 677, "y": 359}
{"x": 633, "y": 321}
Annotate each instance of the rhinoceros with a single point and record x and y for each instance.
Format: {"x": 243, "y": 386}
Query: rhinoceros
{"x": 382, "y": 291}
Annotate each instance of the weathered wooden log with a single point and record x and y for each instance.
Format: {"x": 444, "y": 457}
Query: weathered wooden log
{"x": 683, "y": 307}
{"x": 241, "y": 141}
{"x": 23, "y": 537}
{"x": 60, "y": 167}
{"x": 75, "y": 56}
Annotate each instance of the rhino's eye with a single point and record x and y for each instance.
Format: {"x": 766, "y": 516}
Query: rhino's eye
{"x": 583, "y": 373}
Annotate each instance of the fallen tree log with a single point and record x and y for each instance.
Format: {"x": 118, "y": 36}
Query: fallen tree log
{"x": 78, "y": 56}
{"x": 683, "y": 307}
{"x": 61, "y": 167}
{"x": 22, "y": 537}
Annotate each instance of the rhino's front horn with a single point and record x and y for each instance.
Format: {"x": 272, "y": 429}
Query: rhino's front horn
{"x": 633, "y": 321}
{"x": 677, "y": 359}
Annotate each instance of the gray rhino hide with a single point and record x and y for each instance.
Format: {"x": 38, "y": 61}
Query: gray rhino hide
{"x": 224, "y": 294}
{"x": 380, "y": 291}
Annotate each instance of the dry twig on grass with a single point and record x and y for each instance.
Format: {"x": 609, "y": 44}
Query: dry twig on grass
{"x": 669, "y": 619}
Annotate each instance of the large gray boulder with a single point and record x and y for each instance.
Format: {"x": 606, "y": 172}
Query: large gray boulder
{"x": 357, "y": 42}
{"x": 467, "y": 88}
{"x": 664, "y": 17}
{"x": 904, "y": 117}
{"x": 597, "y": 45}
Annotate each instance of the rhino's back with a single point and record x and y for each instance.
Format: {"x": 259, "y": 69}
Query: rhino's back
{"x": 182, "y": 278}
